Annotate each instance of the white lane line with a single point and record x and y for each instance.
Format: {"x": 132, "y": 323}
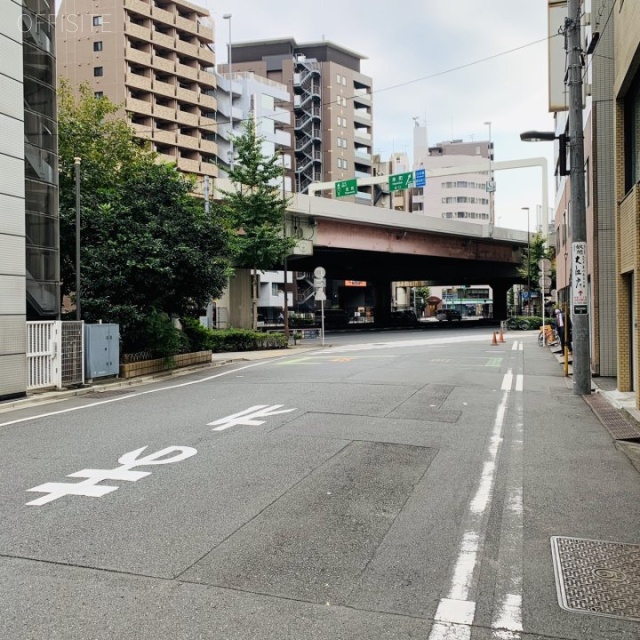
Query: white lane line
{"x": 519, "y": 382}
{"x": 507, "y": 615}
{"x": 132, "y": 395}
{"x": 371, "y": 346}
{"x": 515, "y": 346}
{"x": 455, "y": 613}
{"x": 507, "y": 381}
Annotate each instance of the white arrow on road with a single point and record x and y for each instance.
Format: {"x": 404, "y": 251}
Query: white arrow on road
{"x": 248, "y": 416}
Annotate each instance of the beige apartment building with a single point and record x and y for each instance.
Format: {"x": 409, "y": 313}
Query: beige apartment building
{"x": 155, "y": 58}
{"x": 332, "y": 107}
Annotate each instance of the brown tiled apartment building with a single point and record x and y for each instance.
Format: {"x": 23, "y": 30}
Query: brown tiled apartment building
{"x": 154, "y": 58}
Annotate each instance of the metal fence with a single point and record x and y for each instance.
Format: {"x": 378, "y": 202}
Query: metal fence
{"x": 55, "y": 354}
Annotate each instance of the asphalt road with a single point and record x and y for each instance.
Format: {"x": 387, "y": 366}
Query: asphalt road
{"x": 398, "y": 484}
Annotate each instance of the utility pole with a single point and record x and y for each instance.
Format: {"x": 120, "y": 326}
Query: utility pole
{"x": 579, "y": 290}
{"x": 76, "y": 166}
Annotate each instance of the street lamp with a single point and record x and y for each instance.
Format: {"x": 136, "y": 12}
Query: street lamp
{"x": 76, "y": 166}
{"x": 579, "y": 290}
{"x": 528, "y": 264}
{"x": 491, "y": 187}
{"x": 227, "y": 16}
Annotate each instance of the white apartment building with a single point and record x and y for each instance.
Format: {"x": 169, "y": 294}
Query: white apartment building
{"x": 462, "y": 196}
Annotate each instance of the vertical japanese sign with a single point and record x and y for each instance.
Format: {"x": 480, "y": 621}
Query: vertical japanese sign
{"x": 579, "y": 285}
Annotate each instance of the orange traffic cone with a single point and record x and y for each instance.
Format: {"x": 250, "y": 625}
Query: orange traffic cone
{"x": 501, "y": 335}
{"x": 494, "y": 342}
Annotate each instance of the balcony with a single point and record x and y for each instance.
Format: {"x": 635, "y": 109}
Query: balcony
{"x": 189, "y": 166}
{"x": 140, "y": 130}
{"x": 166, "y": 113}
{"x": 209, "y": 123}
{"x": 187, "y": 95}
{"x": 209, "y": 169}
{"x": 208, "y": 103}
{"x": 362, "y": 115}
{"x": 207, "y": 78}
{"x": 205, "y": 32}
{"x": 136, "y": 81}
{"x": 136, "y": 31}
{"x": 206, "y": 55}
{"x": 209, "y": 147}
{"x": 136, "y": 6}
{"x": 184, "y": 71}
{"x": 164, "y": 89}
{"x": 189, "y": 142}
{"x": 186, "y": 48}
{"x": 134, "y": 105}
{"x": 164, "y": 137}
{"x": 164, "y": 40}
{"x": 362, "y": 134}
{"x": 163, "y": 64}
{"x": 137, "y": 56}
{"x": 186, "y": 118}
{"x": 189, "y": 26}
{"x": 163, "y": 16}
{"x": 362, "y": 96}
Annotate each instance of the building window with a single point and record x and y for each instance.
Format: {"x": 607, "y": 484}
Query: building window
{"x": 275, "y": 291}
{"x": 97, "y": 21}
{"x": 98, "y": 94}
{"x": 98, "y": 71}
{"x": 97, "y": 46}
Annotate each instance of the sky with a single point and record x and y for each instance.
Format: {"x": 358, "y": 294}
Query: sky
{"x": 454, "y": 65}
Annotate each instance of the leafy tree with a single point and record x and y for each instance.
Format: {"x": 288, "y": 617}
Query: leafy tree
{"x": 147, "y": 245}
{"x": 531, "y": 256}
{"x": 255, "y": 210}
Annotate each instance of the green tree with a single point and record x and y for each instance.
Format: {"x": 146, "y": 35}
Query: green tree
{"x": 255, "y": 209}
{"x": 531, "y": 256}
{"x": 147, "y": 245}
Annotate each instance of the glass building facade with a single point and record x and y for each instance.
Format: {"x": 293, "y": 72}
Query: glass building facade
{"x": 41, "y": 162}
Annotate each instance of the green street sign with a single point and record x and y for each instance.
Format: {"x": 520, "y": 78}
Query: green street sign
{"x": 400, "y": 181}
{"x": 346, "y": 188}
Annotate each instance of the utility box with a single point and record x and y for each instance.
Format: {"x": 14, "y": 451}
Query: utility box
{"x": 102, "y": 350}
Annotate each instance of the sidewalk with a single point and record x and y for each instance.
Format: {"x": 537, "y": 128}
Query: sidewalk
{"x": 615, "y": 409}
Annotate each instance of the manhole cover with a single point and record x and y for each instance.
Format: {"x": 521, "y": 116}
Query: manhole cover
{"x": 597, "y": 577}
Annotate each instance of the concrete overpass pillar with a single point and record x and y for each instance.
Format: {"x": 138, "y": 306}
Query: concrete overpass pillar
{"x": 382, "y": 301}
{"x": 500, "y": 307}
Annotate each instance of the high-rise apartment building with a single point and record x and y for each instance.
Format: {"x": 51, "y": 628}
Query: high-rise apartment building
{"x": 155, "y": 58}
{"x": 461, "y": 196}
{"x": 29, "y": 237}
{"x": 332, "y": 106}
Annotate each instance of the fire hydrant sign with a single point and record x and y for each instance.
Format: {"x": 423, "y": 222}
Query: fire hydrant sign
{"x": 579, "y": 285}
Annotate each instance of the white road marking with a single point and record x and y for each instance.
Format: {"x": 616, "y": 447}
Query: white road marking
{"x": 507, "y": 615}
{"x": 90, "y": 486}
{"x": 507, "y": 381}
{"x": 515, "y": 346}
{"x": 454, "y": 615}
{"x": 248, "y": 416}
{"x": 519, "y": 382}
{"x": 135, "y": 395}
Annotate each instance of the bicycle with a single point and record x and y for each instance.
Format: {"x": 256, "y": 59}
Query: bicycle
{"x": 548, "y": 337}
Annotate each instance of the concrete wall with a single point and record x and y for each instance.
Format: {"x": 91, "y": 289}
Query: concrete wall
{"x": 13, "y": 376}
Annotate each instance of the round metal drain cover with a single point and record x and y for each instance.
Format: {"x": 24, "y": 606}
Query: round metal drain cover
{"x": 597, "y": 577}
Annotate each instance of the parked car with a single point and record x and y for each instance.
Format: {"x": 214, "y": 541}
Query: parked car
{"x": 333, "y": 318}
{"x": 404, "y": 318}
{"x": 448, "y": 314}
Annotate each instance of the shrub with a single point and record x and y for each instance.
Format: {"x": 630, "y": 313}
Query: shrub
{"x": 220, "y": 340}
{"x": 162, "y": 338}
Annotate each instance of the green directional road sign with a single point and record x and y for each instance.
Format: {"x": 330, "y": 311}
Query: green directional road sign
{"x": 399, "y": 181}
{"x": 346, "y": 188}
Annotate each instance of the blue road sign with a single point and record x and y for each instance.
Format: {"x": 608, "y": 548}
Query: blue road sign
{"x": 421, "y": 178}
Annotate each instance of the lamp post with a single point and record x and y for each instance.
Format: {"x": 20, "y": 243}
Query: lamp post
{"x": 490, "y": 186}
{"x": 227, "y": 16}
{"x": 528, "y": 264}
{"x": 579, "y": 291}
{"x": 76, "y": 166}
